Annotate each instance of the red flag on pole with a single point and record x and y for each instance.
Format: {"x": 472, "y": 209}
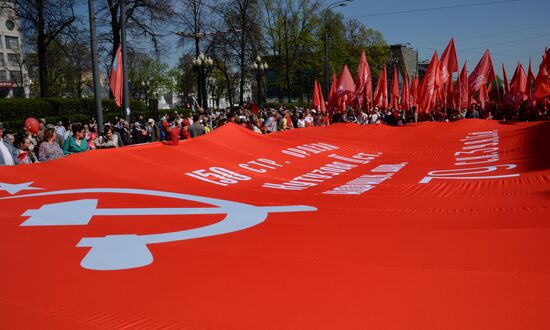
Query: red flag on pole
{"x": 363, "y": 83}
{"x": 461, "y": 89}
{"x": 322, "y": 98}
{"x": 508, "y": 98}
{"x": 546, "y": 59}
{"x": 542, "y": 84}
{"x": 414, "y": 91}
{"x": 432, "y": 80}
{"x": 530, "y": 81}
{"x": 115, "y": 78}
{"x": 381, "y": 92}
{"x": 316, "y": 99}
{"x": 405, "y": 95}
{"x": 345, "y": 88}
{"x": 506, "y": 84}
{"x": 483, "y": 96}
{"x": 482, "y": 74}
{"x": 449, "y": 62}
{"x": 332, "y": 98}
{"x": 518, "y": 87}
{"x": 394, "y": 96}
{"x": 345, "y": 84}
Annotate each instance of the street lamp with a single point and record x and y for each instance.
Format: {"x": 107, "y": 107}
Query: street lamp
{"x": 259, "y": 68}
{"x": 327, "y": 10}
{"x": 203, "y": 65}
{"x": 145, "y": 86}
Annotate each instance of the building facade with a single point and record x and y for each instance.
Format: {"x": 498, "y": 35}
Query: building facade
{"x": 405, "y": 59}
{"x": 14, "y": 78}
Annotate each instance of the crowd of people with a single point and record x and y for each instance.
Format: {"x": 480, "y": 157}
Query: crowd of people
{"x": 56, "y": 141}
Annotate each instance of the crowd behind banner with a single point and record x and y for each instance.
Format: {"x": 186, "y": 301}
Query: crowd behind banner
{"x": 435, "y": 98}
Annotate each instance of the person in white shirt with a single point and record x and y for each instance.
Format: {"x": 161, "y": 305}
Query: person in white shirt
{"x": 308, "y": 119}
{"x": 8, "y": 153}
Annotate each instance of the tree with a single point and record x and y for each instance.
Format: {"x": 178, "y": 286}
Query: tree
{"x": 223, "y": 60}
{"x": 144, "y": 18}
{"x": 288, "y": 33}
{"x": 185, "y": 75}
{"x": 43, "y": 22}
{"x": 243, "y": 35}
{"x": 149, "y": 77}
{"x": 193, "y": 22}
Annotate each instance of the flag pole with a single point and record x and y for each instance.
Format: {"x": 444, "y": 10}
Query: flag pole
{"x": 95, "y": 67}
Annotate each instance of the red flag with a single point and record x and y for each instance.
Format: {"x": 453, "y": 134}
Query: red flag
{"x": 506, "y": 84}
{"x": 482, "y": 74}
{"x": 332, "y": 98}
{"x": 414, "y": 92}
{"x": 345, "y": 88}
{"x": 381, "y": 91}
{"x": 322, "y": 98}
{"x": 394, "y": 96}
{"x": 405, "y": 95}
{"x": 483, "y": 96}
{"x": 461, "y": 89}
{"x": 449, "y": 62}
{"x": 508, "y": 98}
{"x": 432, "y": 80}
{"x": 449, "y": 92}
{"x": 542, "y": 82}
{"x": 546, "y": 60}
{"x": 115, "y": 78}
{"x": 316, "y": 102}
{"x": 363, "y": 83}
{"x": 345, "y": 84}
{"x": 518, "y": 87}
{"x": 530, "y": 80}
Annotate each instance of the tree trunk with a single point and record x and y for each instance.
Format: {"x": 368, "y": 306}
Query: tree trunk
{"x": 115, "y": 27}
{"x": 228, "y": 86}
{"x": 41, "y": 48}
{"x": 242, "y": 64}
{"x": 287, "y": 62}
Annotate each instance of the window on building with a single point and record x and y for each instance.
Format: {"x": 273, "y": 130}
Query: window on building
{"x": 12, "y": 42}
{"x": 3, "y": 76}
{"x": 13, "y": 60}
{"x": 15, "y": 76}
{"x": 10, "y": 25}
{"x": 2, "y": 63}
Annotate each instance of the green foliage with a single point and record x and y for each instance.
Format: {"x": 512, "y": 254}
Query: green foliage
{"x": 149, "y": 77}
{"x": 13, "y": 112}
{"x": 295, "y": 33}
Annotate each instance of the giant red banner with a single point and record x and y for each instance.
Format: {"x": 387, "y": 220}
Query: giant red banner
{"x": 432, "y": 226}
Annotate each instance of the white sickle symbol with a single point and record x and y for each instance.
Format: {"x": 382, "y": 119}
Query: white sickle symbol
{"x": 114, "y": 252}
